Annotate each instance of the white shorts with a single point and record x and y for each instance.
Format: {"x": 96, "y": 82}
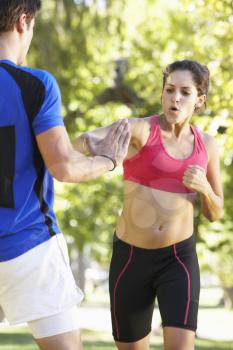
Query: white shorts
{"x": 66, "y": 321}
{"x": 39, "y": 284}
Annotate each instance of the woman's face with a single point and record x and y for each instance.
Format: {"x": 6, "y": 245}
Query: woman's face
{"x": 180, "y": 97}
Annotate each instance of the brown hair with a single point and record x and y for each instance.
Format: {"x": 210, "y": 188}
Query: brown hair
{"x": 11, "y": 10}
{"x": 199, "y": 72}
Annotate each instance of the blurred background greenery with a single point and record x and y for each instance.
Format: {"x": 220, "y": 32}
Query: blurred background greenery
{"x": 108, "y": 57}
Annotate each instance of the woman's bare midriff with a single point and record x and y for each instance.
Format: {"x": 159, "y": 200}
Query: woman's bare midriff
{"x": 153, "y": 218}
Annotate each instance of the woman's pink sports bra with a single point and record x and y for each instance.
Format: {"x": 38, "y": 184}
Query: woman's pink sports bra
{"x": 152, "y": 166}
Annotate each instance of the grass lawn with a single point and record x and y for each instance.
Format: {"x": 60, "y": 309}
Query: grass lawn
{"x": 20, "y": 339}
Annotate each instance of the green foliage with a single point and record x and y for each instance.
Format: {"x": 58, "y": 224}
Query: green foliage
{"x": 79, "y": 44}
{"x": 21, "y": 339}
{"x": 88, "y": 213}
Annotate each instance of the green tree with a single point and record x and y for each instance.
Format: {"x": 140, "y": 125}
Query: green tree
{"x": 80, "y": 48}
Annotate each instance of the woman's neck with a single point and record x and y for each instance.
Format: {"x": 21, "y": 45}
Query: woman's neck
{"x": 177, "y": 130}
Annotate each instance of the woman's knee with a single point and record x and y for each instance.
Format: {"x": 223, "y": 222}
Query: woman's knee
{"x": 142, "y": 344}
{"x": 178, "y": 338}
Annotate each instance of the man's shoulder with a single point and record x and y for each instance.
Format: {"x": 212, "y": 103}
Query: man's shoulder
{"x": 27, "y": 75}
{"x": 44, "y": 76}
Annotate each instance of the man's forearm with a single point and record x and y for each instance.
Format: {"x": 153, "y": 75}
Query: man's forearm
{"x": 81, "y": 168}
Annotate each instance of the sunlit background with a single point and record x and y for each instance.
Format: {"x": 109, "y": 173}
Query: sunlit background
{"x": 108, "y": 58}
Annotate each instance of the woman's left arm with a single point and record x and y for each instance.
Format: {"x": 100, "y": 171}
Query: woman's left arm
{"x": 209, "y": 185}
{"x": 212, "y": 199}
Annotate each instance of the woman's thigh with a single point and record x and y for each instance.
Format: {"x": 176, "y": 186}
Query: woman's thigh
{"x": 131, "y": 293}
{"x": 178, "y": 289}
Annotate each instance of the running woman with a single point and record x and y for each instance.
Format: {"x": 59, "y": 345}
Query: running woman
{"x": 169, "y": 162}
{"x": 36, "y": 282}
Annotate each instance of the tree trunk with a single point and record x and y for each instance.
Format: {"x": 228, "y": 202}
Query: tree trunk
{"x": 81, "y": 271}
{"x": 228, "y": 297}
{"x": 2, "y": 316}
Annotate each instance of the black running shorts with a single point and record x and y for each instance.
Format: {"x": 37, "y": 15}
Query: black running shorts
{"x": 138, "y": 276}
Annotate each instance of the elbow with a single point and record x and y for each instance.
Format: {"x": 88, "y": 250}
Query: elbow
{"x": 212, "y": 217}
{"x": 60, "y": 174}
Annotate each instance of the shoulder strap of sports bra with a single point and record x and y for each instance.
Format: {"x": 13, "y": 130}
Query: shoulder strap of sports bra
{"x": 199, "y": 140}
{"x": 154, "y": 121}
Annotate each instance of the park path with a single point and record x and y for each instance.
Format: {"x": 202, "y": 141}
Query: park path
{"x": 216, "y": 324}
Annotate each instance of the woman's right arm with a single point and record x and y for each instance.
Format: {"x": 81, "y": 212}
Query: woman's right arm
{"x": 139, "y": 128}
{"x": 81, "y": 143}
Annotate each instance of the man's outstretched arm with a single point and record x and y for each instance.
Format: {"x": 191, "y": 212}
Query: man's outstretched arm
{"x": 68, "y": 165}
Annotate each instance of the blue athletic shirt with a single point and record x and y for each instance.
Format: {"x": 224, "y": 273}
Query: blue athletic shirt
{"x": 30, "y": 103}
